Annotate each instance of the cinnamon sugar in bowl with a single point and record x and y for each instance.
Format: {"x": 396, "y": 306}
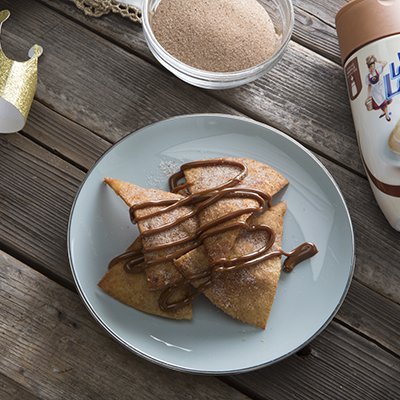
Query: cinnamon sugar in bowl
{"x": 218, "y": 44}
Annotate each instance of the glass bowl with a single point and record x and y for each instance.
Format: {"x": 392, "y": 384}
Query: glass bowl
{"x": 281, "y": 13}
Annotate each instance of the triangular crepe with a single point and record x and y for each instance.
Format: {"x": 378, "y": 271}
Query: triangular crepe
{"x": 260, "y": 176}
{"x": 246, "y": 294}
{"x": 163, "y": 274}
{"x": 131, "y": 289}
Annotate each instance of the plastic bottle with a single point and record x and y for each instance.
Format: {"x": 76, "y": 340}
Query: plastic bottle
{"x": 369, "y": 38}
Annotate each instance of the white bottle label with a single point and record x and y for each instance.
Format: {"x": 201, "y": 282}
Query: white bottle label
{"x": 373, "y": 82}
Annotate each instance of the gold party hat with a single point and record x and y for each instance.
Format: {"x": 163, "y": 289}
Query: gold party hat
{"x": 18, "y": 81}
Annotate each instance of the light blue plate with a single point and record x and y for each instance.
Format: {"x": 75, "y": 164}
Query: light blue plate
{"x": 213, "y": 343}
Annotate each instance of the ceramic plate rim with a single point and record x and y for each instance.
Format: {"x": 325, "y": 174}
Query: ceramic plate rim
{"x": 153, "y": 359}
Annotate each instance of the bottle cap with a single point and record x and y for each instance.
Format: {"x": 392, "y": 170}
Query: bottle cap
{"x": 363, "y": 21}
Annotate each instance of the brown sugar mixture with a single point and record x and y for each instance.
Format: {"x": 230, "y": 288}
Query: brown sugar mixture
{"x": 215, "y": 35}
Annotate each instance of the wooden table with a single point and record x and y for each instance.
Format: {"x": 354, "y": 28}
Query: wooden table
{"x": 98, "y": 82}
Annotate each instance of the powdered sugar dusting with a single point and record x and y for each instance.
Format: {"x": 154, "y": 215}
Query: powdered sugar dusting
{"x": 165, "y": 169}
{"x": 169, "y": 167}
{"x": 153, "y": 180}
{"x": 260, "y": 177}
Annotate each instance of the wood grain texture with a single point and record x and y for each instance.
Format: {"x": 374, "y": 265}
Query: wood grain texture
{"x": 375, "y": 266}
{"x": 327, "y": 103}
{"x": 304, "y": 96}
{"x": 341, "y": 365}
{"x": 64, "y": 137}
{"x": 37, "y": 190}
{"x": 311, "y": 32}
{"x": 240, "y": 96}
{"x": 52, "y": 348}
{"x": 94, "y": 83}
{"x": 375, "y": 271}
{"x": 111, "y": 92}
{"x": 367, "y": 312}
{"x": 323, "y": 10}
{"x": 11, "y": 390}
{"x": 34, "y": 185}
{"x": 41, "y": 320}
{"x": 314, "y": 26}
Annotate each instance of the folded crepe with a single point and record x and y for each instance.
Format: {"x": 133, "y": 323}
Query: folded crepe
{"x": 132, "y": 290}
{"x": 161, "y": 274}
{"x": 245, "y": 294}
{"x": 260, "y": 176}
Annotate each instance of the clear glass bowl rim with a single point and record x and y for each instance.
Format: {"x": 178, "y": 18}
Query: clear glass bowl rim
{"x": 210, "y": 75}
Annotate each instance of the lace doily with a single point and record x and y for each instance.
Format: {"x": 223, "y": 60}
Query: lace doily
{"x": 98, "y": 8}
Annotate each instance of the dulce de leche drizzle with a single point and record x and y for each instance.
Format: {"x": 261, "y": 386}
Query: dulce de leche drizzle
{"x": 135, "y": 261}
{"x": 175, "y": 187}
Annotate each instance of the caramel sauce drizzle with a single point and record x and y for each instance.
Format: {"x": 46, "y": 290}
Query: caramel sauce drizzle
{"x": 175, "y": 187}
{"x": 135, "y": 261}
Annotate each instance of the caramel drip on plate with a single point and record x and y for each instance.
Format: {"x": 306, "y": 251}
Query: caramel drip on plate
{"x": 300, "y": 253}
{"x": 135, "y": 261}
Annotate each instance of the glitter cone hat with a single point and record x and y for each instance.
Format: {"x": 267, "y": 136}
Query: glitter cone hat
{"x": 18, "y": 81}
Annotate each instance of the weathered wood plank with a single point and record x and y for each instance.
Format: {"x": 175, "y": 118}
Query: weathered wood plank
{"x": 45, "y": 327}
{"x": 11, "y": 390}
{"x": 64, "y": 137}
{"x": 304, "y": 96}
{"x": 37, "y": 190}
{"x": 352, "y": 315}
{"x": 367, "y": 312}
{"x": 311, "y": 32}
{"x": 243, "y": 98}
{"x": 368, "y": 274}
{"x": 313, "y": 27}
{"x": 95, "y": 83}
{"x": 42, "y": 238}
{"x": 374, "y": 261}
{"x": 52, "y": 347}
{"x": 111, "y": 92}
{"x": 341, "y": 366}
{"x": 324, "y": 10}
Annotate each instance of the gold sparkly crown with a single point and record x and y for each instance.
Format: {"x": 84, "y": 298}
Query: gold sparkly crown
{"x": 18, "y": 81}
